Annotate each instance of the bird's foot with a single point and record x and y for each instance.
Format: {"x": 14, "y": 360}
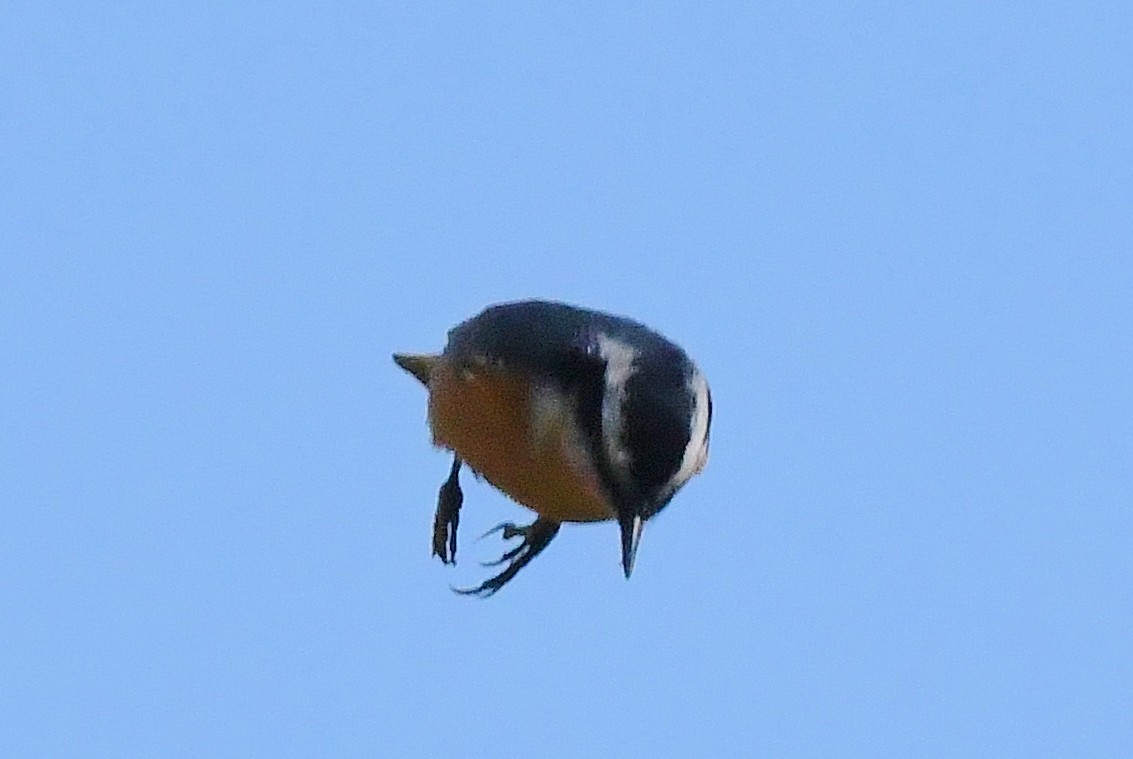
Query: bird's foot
{"x": 447, "y": 517}
{"x": 536, "y": 537}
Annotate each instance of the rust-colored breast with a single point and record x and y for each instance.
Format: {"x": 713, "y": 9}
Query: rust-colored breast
{"x": 485, "y": 416}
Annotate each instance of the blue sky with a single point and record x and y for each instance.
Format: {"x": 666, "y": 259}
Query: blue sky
{"x": 896, "y": 239}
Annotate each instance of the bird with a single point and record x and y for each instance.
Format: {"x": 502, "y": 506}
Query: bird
{"x": 576, "y": 414}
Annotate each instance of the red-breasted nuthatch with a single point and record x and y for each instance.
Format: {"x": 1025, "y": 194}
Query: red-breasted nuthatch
{"x": 579, "y": 415}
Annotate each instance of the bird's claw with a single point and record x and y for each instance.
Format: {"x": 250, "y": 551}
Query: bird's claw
{"x": 536, "y": 537}
{"x": 509, "y": 531}
{"x": 447, "y": 518}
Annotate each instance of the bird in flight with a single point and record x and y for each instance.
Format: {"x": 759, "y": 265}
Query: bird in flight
{"x": 579, "y": 415}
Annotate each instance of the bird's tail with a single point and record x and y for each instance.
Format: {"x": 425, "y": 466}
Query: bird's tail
{"x": 420, "y": 365}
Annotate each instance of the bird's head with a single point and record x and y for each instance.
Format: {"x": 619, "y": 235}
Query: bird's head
{"x": 655, "y": 418}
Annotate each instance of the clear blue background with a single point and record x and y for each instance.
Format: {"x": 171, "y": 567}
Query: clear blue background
{"x": 897, "y": 239}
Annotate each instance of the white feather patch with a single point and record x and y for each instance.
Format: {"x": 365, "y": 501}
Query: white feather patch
{"x": 696, "y": 452}
{"x": 619, "y": 357}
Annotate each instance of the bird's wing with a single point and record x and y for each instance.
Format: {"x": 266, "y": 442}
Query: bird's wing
{"x": 537, "y": 337}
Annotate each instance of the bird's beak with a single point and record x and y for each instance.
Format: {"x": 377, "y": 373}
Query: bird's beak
{"x": 631, "y": 525}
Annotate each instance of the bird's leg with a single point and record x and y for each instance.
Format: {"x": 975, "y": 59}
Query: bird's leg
{"x": 536, "y": 537}
{"x": 448, "y": 515}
